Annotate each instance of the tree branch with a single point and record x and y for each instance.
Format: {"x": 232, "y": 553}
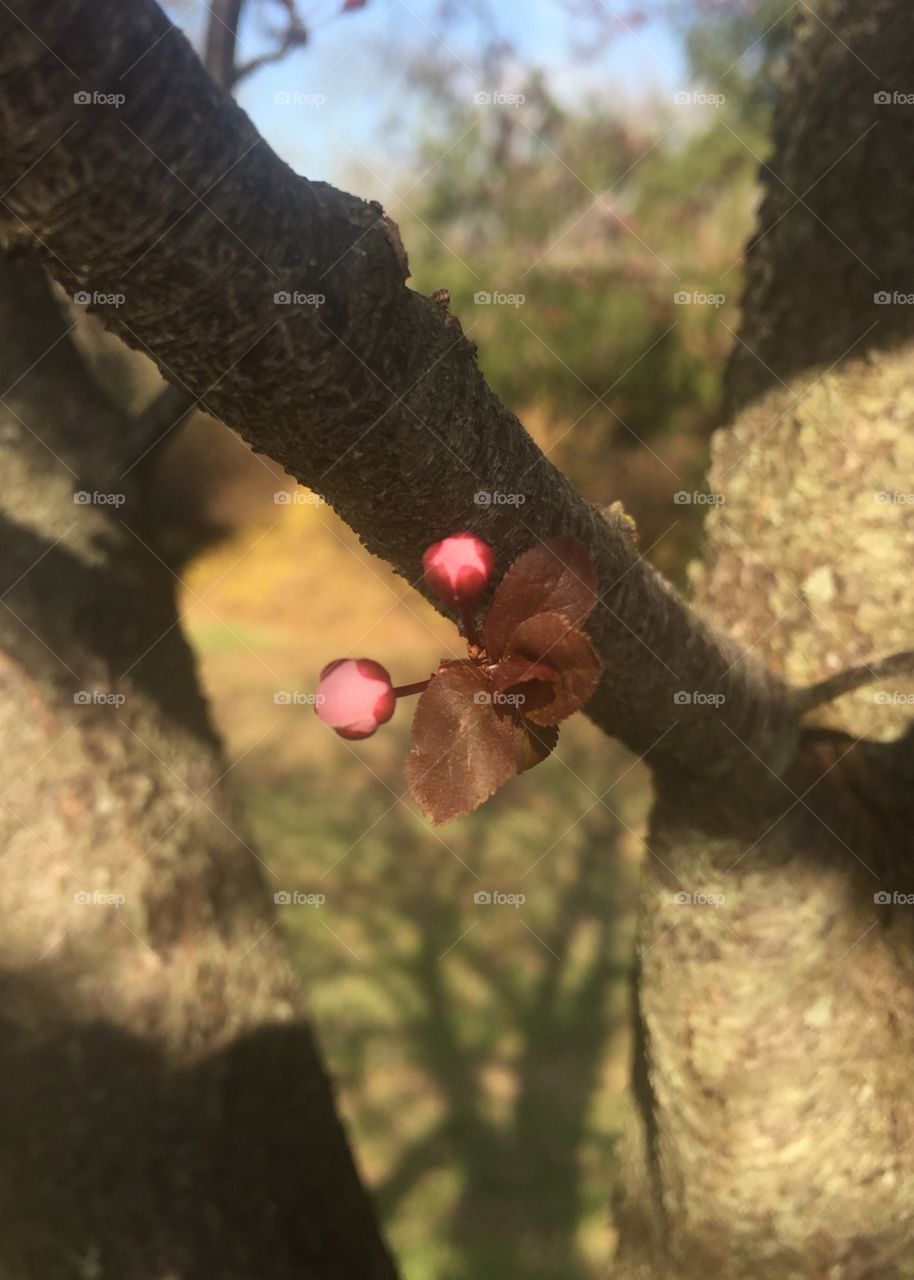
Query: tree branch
{"x": 153, "y": 426}
{"x": 172, "y": 406}
{"x": 221, "y": 43}
{"x": 361, "y": 388}
{"x": 896, "y": 665}
{"x": 293, "y": 37}
{"x": 221, "y": 39}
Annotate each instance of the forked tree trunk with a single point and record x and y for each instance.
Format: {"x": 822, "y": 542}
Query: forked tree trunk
{"x": 775, "y": 1131}
{"x": 165, "y": 1111}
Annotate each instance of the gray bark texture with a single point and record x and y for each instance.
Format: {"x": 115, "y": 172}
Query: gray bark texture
{"x": 771, "y": 1135}
{"x": 165, "y": 1109}
{"x": 777, "y": 1028}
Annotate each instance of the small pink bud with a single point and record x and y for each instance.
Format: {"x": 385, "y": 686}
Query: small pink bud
{"x": 354, "y": 696}
{"x": 457, "y": 568}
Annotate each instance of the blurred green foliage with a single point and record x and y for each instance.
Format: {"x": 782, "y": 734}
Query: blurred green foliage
{"x": 601, "y": 219}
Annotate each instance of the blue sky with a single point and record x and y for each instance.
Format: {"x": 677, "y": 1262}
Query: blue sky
{"x": 322, "y": 108}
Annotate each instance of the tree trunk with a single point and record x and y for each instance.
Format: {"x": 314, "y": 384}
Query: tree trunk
{"x": 776, "y": 1112}
{"x": 165, "y": 1109}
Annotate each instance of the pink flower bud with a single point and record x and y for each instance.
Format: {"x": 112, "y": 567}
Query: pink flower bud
{"x": 457, "y": 568}
{"x": 354, "y": 697}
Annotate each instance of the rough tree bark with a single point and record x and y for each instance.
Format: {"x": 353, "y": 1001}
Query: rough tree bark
{"x": 775, "y": 1029}
{"x": 777, "y": 1104}
{"x": 165, "y": 1109}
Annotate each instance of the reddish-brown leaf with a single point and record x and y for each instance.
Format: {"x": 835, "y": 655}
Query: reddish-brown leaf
{"x": 558, "y": 576}
{"x": 464, "y": 745}
{"x": 533, "y": 742}
{"x": 514, "y": 671}
{"x": 546, "y": 638}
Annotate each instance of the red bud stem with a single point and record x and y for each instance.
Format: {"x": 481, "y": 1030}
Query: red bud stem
{"x": 407, "y": 690}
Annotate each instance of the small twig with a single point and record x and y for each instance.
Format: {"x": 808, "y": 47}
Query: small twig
{"x": 814, "y": 695}
{"x": 220, "y": 46}
{"x": 293, "y": 38}
{"x": 154, "y": 424}
{"x": 220, "y": 40}
{"x": 407, "y": 690}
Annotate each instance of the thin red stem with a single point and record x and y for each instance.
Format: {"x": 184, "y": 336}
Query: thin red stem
{"x": 406, "y": 690}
